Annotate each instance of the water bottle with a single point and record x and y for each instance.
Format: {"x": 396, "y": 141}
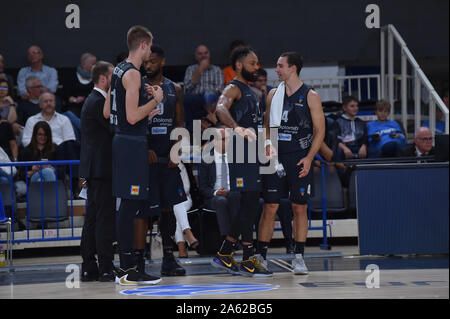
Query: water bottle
{"x": 2, "y": 258}
{"x": 280, "y": 169}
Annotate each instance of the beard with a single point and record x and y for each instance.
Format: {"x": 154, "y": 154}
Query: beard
{"x": 248, "y": 76}
{"x": 153, "y": 74}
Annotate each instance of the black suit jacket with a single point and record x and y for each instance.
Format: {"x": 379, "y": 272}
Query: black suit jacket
{"x": 207, "y": 179}
{"x": 96, "y": 139}
{"x": 410, "y": 151}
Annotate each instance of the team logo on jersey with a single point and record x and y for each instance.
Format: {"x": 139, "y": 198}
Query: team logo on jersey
{"x": 239, "y": 182}
{"x": 302, "y": 191}
{"x": 199, "y": 289}
{"x": 180, "y": 192}
{"x": 159, "y": 130}
{"x": 300, "y": 99}
{"x": 134, "y": 190}
{"x": 284, "y": 137}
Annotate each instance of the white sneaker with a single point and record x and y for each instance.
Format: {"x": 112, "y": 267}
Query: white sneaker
{"x": 298, "y": 264}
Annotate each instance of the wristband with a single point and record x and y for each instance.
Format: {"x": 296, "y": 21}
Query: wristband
{"x": 267, "y": 142}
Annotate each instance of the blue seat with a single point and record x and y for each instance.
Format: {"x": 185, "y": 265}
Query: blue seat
{"x": 334, "y": 193}
{"x": 46, "y": 209}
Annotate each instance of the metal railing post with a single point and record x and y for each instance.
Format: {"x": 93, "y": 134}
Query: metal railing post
{"x": 404, "y": 93}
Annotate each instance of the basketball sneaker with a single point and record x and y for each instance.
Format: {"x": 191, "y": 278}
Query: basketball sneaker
{"x": 299, "y": 266}
{"x": 261, "y": 266}
{"x": 133, "y": 277}
{"x": 225, "y": 262}
{"x": 170, "y": 267}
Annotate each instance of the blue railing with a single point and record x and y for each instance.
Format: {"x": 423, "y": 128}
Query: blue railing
{"x": 43, "y": 238}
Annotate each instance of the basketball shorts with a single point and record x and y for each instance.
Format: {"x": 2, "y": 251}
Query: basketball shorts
{"x": 298, "y": 190}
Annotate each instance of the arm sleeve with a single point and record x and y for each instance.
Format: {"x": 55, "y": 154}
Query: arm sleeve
{"x": 68, "y": 133}
{"x": 21, "y": 82}
{"x": 53, "y": 80}
{"x": 27, "y": 132}
{"x": 188, "y": 84}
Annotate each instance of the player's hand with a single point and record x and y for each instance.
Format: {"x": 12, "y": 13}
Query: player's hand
{"x": 246, "y": 133}
{"x": 271, "y": 152}
{"x": 153, "y": 113}
{"x": 305, "y": 164}
{"x": 157, "y": 93}
{"x": 222, "y": 192}
{"x": 152, "y": 157}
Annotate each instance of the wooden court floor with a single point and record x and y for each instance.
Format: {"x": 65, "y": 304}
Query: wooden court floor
{"x": 332, "y": 276}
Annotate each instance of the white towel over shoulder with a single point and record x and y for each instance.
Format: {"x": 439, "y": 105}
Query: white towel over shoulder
{"x": 276, "y": 107}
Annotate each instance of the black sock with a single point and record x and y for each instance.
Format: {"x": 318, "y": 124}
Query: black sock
{"x": 227, "y": 247}
{"x": 261, "y": 248}
{"x": 167, "y": 252}
{"x": 299, "y": 247}
{"x": 127, "y": 260}
{"x": 248, "y": 251}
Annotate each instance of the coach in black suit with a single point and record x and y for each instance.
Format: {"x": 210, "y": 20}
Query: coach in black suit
{"x": 96, "y": 168}
{"x": 423, "y": 144}
{"x": 214, "y": 184}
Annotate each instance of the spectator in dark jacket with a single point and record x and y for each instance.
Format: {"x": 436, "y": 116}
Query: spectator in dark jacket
{"x": 352, "y": 133}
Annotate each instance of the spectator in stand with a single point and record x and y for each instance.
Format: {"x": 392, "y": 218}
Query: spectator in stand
{"x": 7, "y": 105}
{"x": 260, "y": 88}
{"x": 228, "y": 71}
{"x": 422, "y": 146}
{"x": 385, "y": 137}
{"x": 7, "y": 77}
{"x": 47, "y": 75}
{"x": 203, "y": 82}
{"x": 30, "y": 107}
{"x": 41, "y": 148}
{"x": 8, "y": 141}
{"x": 62, "y": 130}
{"x": 440, "y": 118}
{"x": 80, "y": 85}
{"x": 352, "y": 133}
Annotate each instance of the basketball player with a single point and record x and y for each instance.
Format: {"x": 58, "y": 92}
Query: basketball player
{"x": 166, "y": 186}
{"x": 238, "y": 108}
{"x": 128, "y": 112}
{"x": 300, "y": 135}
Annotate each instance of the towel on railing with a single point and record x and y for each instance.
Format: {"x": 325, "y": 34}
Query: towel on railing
{"x": 276, "y": 107}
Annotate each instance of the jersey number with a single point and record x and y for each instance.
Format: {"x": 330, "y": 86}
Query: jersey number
{"x": 113, "y": 117}
{"x": 284, "y": 117}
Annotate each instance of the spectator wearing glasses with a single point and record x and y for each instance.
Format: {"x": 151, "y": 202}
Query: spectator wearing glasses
{"x": 47, "y": 75}
{"x": 41, "y": 148}
{"x": 423, "y": 144}
{"x": 7, "y": 104}
{"x": 7, "y": 77}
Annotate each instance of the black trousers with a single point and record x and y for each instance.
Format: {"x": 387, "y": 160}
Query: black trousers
{"x": 226, "y": 208}
{"x": 244, "y": 222}
{"x": 98, "y": 230}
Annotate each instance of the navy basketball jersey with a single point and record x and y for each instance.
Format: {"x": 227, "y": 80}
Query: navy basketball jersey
{"x": 160, "y": 126}
{"x": 246, "y": 112}
{"x": 296, "y": 129}
{"x": 118, "y": 117}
